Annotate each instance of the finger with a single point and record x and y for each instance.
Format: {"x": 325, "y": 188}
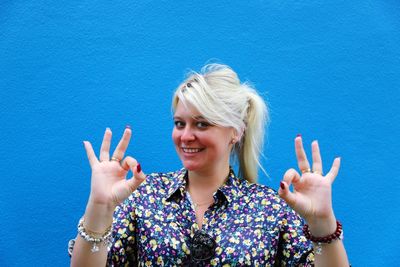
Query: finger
{"x": 316, "y": 156}
{"x": 105, "y": 146}
{"x": 137, "y": 178}
{"x": 301, "y": 155}
{"x": 285, "y": 194}
{"x": 291, "y": 176}
{"x": 128, "y": 163}
{"x": 119, "y": 152}
{"x": 90, "y": 153}
{"x": 334, "y": 169}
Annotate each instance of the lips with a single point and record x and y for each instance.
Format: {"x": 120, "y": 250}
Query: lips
{"x": 191, "y": 150}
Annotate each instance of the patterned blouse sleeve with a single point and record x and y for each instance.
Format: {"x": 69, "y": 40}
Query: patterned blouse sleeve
{"x": 123, "y": 249}
{"x": 294, "y": 248}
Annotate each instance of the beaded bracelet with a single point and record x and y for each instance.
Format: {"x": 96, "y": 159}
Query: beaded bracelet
{"x": 337, "y": 235}
{"x": 87, "y": 235}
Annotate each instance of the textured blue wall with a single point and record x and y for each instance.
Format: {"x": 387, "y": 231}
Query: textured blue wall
{"x": 68, "y": 69}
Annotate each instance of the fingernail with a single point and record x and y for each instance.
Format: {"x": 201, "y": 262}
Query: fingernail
{"x": 108, "y": 129}
{"x": 282, "y": 186}
{"x": 138, "y": 168}
{"x": 127, "y": 126}
{"x": 298, "y": 135}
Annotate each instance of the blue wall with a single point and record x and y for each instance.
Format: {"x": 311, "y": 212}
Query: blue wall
{"x": 68, "y": 69}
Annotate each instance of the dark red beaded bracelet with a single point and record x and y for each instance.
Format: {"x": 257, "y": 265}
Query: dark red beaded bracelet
{"x": 326, "y": 239}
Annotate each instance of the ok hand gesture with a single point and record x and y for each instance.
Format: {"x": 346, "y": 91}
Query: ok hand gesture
{"x": 312, "y": 192}
{"x": 109, "y": 185}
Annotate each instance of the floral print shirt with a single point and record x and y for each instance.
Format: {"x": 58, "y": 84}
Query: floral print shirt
{"x": 250, "y": 223}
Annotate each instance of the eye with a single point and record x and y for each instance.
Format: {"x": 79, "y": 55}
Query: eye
{"x": 202, "y": 124}
{"x": 179, "y": 124}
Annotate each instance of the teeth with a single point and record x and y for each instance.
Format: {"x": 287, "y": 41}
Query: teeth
{"x": 191, "y": 150}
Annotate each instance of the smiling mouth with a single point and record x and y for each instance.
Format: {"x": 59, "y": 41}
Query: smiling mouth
{"x": 191, "y": 150}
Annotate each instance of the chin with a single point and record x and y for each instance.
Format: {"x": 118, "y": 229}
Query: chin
{"x": 190, "y": 166}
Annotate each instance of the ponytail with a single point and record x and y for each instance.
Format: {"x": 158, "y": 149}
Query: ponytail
{"x": 250, "y": 148}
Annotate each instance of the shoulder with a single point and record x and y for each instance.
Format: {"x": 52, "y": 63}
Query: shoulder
{"x": 259, "y": 191}
{"x": 263, "y": 197}
{"x": 151, "y": 193}
{"x": 266, "y": 201}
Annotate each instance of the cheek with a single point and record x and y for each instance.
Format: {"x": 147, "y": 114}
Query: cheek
{"x": 221, "y": 144}
{"x": 175, "y": 136}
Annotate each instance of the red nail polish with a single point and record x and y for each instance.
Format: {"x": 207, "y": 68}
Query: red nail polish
{"x": 282, "y": 186}
{"x": 127, "y": 126}
{"x": 138, "y": 168}
{"x": 298, "y": 135}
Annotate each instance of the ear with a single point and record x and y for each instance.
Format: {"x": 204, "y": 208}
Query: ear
{"x": 235, "y": 137}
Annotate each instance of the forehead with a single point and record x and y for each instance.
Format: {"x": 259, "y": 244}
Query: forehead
{"x": 186, "y": 110}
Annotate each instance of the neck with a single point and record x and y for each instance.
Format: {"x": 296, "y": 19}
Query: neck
{"x": 202, "y": 184}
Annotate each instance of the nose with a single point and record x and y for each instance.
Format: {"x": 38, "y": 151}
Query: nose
{"x": 188, "y": 135}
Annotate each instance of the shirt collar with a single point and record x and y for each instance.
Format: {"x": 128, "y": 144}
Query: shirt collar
{"x": 230, "y": 189}
{"x": 178, "y": 185}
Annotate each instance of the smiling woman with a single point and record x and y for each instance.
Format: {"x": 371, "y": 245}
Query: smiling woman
{"x": 218, "y": 96}
{"x": 204, "y": 214}
{"x": 201, "y": 146}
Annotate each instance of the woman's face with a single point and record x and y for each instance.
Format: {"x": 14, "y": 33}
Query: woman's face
{"x": 200, "y": 145}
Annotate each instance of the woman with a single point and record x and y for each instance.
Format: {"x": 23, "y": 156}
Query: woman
{"x": 205, "y": 214}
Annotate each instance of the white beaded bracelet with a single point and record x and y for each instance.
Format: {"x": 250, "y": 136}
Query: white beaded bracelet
{"x": 105, "y": 238}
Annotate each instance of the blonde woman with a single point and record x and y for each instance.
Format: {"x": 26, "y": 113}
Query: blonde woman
{"x": 205, "y": 214}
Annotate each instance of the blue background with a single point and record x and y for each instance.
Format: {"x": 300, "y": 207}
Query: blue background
{"x": 69, "y": 69}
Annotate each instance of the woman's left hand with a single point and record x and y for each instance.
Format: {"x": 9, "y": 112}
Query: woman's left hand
{"x": 312, "y": 192}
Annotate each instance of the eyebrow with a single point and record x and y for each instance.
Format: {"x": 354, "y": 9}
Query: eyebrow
{"x": 199, "y": 117}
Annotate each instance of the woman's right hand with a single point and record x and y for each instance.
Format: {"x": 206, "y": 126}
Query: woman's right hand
{"x": 109, "y": 186}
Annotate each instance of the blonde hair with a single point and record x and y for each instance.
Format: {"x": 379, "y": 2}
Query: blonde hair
{"x": 217, "y": 93}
